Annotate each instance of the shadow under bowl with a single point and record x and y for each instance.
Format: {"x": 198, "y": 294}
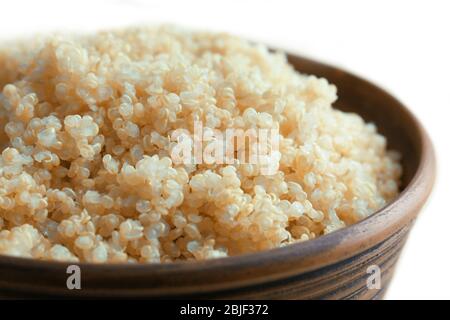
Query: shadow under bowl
{"x": 334, "y": 266}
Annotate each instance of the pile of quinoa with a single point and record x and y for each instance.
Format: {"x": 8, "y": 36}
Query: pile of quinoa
{"x": 85, "y": 167}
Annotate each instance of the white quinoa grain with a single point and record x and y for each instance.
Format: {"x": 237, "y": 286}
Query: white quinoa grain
{"x": 85, "y": 167}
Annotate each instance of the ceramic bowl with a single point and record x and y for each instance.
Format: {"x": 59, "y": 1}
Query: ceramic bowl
{"x": 334, "y": 266}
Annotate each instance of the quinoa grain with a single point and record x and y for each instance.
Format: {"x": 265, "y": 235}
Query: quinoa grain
{"x": 85, "y": 168}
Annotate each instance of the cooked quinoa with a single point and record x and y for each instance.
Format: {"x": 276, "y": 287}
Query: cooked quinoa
{"x": 85, "y": 167}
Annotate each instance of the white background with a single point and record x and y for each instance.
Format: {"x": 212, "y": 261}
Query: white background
{"x": 404, "y": 46}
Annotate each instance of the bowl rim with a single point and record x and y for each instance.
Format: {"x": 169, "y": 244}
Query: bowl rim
{"x": 308, "y": 255}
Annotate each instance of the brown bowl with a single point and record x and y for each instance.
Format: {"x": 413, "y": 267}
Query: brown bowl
{"x": 334, "y": 266}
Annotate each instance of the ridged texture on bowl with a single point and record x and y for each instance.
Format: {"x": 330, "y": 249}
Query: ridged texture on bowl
{"x": 346, "y": 279}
